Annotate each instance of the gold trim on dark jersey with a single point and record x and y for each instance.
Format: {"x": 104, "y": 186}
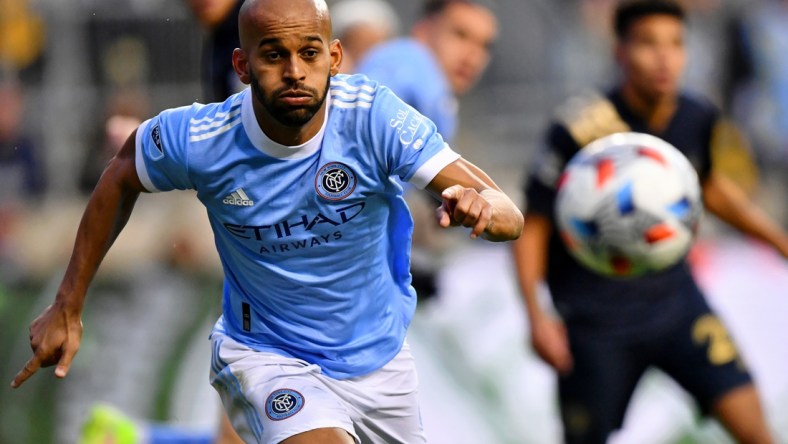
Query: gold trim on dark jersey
{"x": 589, "y": 116}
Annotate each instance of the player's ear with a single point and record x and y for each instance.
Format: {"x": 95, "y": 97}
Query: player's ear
{"x": 335, "y": 51}
{"x": 422, "y": 29}
{"x": 241, "y": 65}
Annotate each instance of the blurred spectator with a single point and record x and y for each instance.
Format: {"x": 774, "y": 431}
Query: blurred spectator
{"x": 22, "y": 173}
{"x": 760, "y": 86}
{"x": 22, "y": 36}
{"x": 21, "y": 166}
{"x": 219, "y": 19}
{"x": 360, "y": 25}
{"x": 580, "y": 53}
{"x": 124, "y": 111}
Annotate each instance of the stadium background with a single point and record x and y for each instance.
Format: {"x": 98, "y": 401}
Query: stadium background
{"x": 144, "y": 347}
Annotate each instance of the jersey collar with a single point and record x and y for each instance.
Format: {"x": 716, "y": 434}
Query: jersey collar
{"x": 268, "y": 146}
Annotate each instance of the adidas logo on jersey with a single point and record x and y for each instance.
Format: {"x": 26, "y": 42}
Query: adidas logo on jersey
{"x": 238, "y": 197}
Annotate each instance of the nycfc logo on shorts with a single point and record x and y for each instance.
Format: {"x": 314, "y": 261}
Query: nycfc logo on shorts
{"x": 283, "y": 404}
{"x": 335, "y": 181}
{"x": 155, "y": 135}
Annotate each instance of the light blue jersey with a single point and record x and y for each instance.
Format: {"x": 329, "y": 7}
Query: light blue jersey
{"x": 411, "y": 71}
{"x": 314, "y": 239}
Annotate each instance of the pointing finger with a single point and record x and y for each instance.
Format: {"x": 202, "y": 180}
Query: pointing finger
{"x": 27, "y": 371}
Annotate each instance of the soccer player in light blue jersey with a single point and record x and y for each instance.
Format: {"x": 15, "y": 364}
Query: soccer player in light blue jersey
{"x": 444, "y": 56}
{"x": 296, "y": 174}
{"x": 446, "y": 53}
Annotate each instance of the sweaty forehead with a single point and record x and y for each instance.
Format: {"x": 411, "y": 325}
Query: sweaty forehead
{"x": 276, "y": 20}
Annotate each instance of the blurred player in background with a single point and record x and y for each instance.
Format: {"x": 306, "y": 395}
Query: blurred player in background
{"x": 611, "y": 331}
{"x": 317, "y": 296}
{"x": 361, "y": 25}
{"x": 219, "y": 19}
{"x": 445, "y": 55}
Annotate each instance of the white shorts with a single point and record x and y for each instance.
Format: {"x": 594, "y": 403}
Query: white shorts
{"x": 269, "y": 397}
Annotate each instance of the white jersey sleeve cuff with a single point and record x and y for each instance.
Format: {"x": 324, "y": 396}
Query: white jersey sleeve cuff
{"x": 139, "y": 161}
{"x": 424, "y": 175}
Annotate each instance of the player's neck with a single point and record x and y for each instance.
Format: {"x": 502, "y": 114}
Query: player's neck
{"x": 286, "y": 135}
{"x": 656, "y": 111}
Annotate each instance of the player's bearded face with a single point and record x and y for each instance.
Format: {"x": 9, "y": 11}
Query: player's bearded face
{"x": 289, "y": 114}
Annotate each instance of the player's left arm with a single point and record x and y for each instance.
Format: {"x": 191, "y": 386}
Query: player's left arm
{"x": 723, "y": 198}
{"x": 470, "y": 198}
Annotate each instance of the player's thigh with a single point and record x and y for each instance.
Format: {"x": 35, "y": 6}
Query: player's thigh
{"x": 384, "y": 404}
{"x": 270, "y": 398}
{"x": 227, "y": 435}
{"x": 739, "y": 410}
{"x": 321, "y": 436}
{"x": 702, "y": 357}
{"x": 595, "y": 394}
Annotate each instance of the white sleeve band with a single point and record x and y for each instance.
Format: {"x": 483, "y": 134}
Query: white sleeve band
{"x": 433, "y": 166}
{"x": 139, "y": 162}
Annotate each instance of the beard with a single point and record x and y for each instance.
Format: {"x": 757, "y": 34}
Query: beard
{"x": 289, "y": 116}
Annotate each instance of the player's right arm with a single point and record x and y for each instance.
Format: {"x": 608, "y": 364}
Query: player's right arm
{"x": 548, "y": 334}
{"x": 55, "y": 334}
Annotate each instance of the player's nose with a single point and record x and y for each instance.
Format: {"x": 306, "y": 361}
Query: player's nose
{"x": 294, "y": 69}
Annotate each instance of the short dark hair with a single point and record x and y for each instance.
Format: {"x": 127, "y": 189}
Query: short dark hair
{"x": 630, "y": 11}
{"x": 433, "y": 7}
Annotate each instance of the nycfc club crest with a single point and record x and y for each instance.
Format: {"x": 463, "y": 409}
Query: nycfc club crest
{"x": 283, "y": 403}
{"x": 335, "y": 181}
{"x": 155, "y": 135}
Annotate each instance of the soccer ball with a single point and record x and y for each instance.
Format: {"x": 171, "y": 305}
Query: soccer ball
{"x": 628, "y": 204}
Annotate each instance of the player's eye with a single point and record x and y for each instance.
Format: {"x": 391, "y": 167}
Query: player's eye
{"x": 310, "y": 53}
{"x": 461, "y": 34}
{"x": 272, "y": 56}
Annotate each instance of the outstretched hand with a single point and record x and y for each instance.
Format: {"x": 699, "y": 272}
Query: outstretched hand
{"x": 54, "y": 337}
{"x": 466, "y": 207}
{"x": 551, "y": 342}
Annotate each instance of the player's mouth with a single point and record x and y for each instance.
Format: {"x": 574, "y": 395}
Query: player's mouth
{"x": 466, "y": 77}
{"x": 295, "y": 97}
{"x": 664, "y": 76}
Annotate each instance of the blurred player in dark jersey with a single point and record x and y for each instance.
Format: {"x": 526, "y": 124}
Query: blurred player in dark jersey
{"x": 219, "y": 19}
{"x": 611, "y": 331}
